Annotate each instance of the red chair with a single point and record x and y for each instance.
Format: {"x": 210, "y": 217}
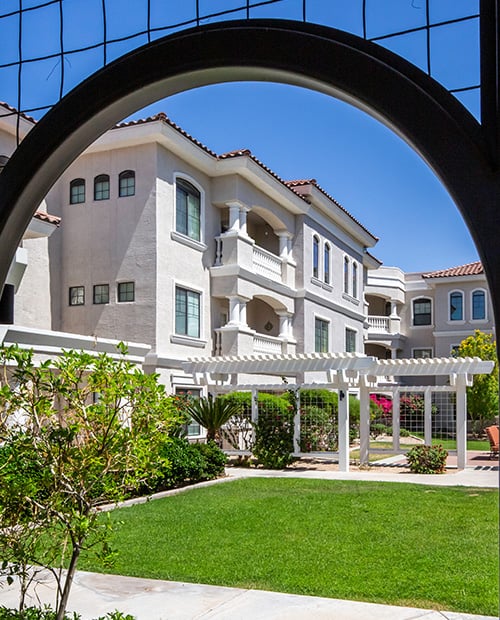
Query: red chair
{"x": 493, "y": 436}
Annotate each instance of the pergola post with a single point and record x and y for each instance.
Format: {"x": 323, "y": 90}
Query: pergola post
{"x": 461, "y": 387}
{"x": 396, "y": 421}
{"x": 364, "y": 422}
{"x": 296, "y": 423}
{"x": 343, "y": 427}
{"x": 428, "y": 416}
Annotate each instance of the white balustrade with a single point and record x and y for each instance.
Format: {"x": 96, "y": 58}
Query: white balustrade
{"x": 379, "y": 324}
{"x": 266, "y": 344}
{"x": 267, "y": 264}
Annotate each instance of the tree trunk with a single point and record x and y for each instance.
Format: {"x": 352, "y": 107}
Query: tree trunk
{"x": 68, "y": 582}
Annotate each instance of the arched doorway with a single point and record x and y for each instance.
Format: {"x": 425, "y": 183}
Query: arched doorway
{"x": 331, "y": 61}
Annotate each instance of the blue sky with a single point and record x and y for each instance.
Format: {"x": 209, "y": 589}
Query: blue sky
{"x": 297, "y": 133}
{"x": 357, "y": 160}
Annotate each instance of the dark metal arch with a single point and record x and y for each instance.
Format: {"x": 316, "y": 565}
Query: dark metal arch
{"x": 316, "y": 57}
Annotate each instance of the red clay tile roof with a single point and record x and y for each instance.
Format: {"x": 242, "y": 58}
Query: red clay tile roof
{"x": 471, "y": 269}
{"x": 11, "y": 111}
{"x": 161, "y": 116}
{"x": 46, "y": 217}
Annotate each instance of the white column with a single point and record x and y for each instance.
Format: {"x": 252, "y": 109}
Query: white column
{"x": 394, "y": 353}
{"x": 343, "y": 428}
{"x": 254, "y": 412}
{"x": 428, "y": 417}
{"x": 243, "y": 220}
{"x": 364, "y": 424}
{"x": 284, "y": 237}
{"x": 234, "y": 310}
{"x": 461, "y": 385}
{"x": 234, "y": 216}
{"x": 285, "y": 323}
{"x": 243, "y": 311}
{"x": 394, "y": 310}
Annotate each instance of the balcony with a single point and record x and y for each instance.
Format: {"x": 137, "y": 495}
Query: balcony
{"x": 239, "y": 340}
{"x": 380, "y": 325}
{"x": 236, "y": 254}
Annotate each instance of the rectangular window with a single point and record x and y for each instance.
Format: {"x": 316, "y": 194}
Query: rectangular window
{"x": 77, "y": 191}
{"x": 126, "y": 291}
{"x": 76, "y": 295}
{"x": 188, "y": 210}
{"x": 350, "y": 340}
{"x": 422, "y": 353}
{"x": 193, "y": 429}
{"x": 101, "y": 293}
{"x": 187, "y": 312}
{"x": 321, "y": 336}
{"x": 422, "y": 312}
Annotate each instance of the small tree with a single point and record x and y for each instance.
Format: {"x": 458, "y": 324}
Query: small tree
{"x": 212, "y": 413}
{"x": 482, "y": 396}
{"x": 75, "y": 432}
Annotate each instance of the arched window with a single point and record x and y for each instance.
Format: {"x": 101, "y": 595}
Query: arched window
{"x": 101, "y": 187}
{"x": 188, "y": 210}
{"x": 77, "y": 191}
{"x": 126, "y": 183}
{"x": 346, "y": 275}
{"x": 326, "y": 266}
{"x": 315, "y": 257}
{"x": 478, "y": 305}
{"x": 456, "y": 306}
{"x": 354, "y": 279}
{"x": 422, "y": 311}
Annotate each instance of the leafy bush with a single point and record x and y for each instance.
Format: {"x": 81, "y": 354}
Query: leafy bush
{"x": 403, "y": 432}
{"x": 427, "y": 459}
{"x": 378, "y": 429}
{"x": 215, "y": 459}
{"x": 273, "y": 445}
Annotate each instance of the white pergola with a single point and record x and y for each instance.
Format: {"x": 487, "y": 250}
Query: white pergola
{"x": 344, "y": 372}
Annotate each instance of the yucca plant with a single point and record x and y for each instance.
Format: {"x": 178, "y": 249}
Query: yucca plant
{"x": 212, "y": 413}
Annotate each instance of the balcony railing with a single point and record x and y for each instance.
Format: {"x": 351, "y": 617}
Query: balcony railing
{"x": 266, "y": 344}
{"x": 379, "y": 324}
{"x": 267, "y": 264}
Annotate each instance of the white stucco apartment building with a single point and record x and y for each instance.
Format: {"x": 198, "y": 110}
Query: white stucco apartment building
{"x": 163, "y": 242}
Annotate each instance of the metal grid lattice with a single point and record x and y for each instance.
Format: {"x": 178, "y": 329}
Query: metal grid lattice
{"x": 37, "y": 71}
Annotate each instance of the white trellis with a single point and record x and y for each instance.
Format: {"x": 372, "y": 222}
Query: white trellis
{"x": 344, "y": 372}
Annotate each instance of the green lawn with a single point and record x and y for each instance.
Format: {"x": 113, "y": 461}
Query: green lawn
{"x": 392, "y": 543}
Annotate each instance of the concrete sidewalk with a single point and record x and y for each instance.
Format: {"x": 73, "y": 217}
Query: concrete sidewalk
{"x": 95, "y": 595}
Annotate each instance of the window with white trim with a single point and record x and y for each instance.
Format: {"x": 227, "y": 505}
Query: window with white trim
{"x": 346, "y": 275}
{"x": 187, "y": 312}
{"x": 326, "y": 264}
{"x": 187, "y": 209}
{"x": 350, "y": 340}
{"x": 456, "y": 306}
{"x": 315, "y": 257}
{"x": 422, "y": 353}
{"x": 478, "y": 305}
{"x": 321, "y": 335}
{"x": 422, "y": 311}
{"x": 354, "y": 280}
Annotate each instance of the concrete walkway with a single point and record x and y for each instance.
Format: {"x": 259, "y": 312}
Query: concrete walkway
{"x": 94, "y": 595}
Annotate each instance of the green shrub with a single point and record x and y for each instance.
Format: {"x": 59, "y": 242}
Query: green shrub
{"x": 273, "y": 445}
{"x": 378, "y": 429}
{"x": 215, "y": 459}
{"x": 403, "y": 432}
{"x": 318, "y": 429}
{"x": 427, "y": 459}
